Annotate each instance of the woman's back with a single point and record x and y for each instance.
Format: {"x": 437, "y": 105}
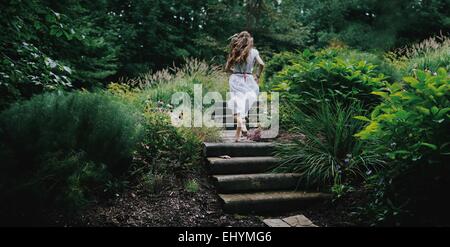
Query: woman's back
{"x": 247, "y": 67}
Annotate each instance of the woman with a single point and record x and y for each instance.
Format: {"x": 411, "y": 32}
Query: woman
{"x": 244, "y": 87}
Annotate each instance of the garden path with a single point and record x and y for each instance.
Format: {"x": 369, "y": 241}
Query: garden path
{"x": 243, "y": 177}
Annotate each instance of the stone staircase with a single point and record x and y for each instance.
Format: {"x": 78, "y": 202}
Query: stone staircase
{"x": 245, "y": 182}
{"x": 226, "y": 117}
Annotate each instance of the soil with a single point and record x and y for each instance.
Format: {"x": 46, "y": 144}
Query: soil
{"x": 174, "y": 206}
{"x": 177, "y": 207}
{"x": 336, "y": 213}
{"x": 286, "y": 137}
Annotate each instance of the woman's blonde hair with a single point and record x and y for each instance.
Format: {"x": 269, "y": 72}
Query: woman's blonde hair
{"x": 240, "y": 47}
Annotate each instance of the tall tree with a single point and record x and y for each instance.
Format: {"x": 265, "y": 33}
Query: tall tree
{"x": 375, "y": 24}
{"x": 53, "y": 44}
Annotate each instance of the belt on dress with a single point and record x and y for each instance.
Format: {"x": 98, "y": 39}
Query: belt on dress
{"x": 243, "y": 73}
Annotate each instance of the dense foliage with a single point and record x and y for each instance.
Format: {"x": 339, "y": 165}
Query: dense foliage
{"x": 410, "y": 128}
{"x": 60, "y": 149}
{"x": 72, "y": 148}
{"x": 48, "y": 44}
{"x": 328, "y": 73}
{"x": 420, "y": 103}
{"x": 328, "y": 153}
{"x": 369, "y": 24}
{"x": 400, "y": 157}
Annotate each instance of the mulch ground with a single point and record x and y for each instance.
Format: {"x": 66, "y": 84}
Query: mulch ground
{"x": 337, "y": 213}
{"x": 177, "y": 207}
{"x": 174, "y": 207}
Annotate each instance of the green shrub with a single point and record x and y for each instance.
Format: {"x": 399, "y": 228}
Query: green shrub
{"x": 411, "y": 128}
{"x": 328, "y": 154}
{"x": 182, "y": 144}
{"x": 60, "y": 149}
{"x": 166, "y": 149}
{"x": 413, "y": 118}
{"x": 46, "y": 46}
{"x": 327, "y": 73}
{"x": 279, "y": 61}
{"x": 382, "y": 65}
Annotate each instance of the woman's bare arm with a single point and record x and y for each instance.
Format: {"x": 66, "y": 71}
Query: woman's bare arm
{"x": 260, "y": 67}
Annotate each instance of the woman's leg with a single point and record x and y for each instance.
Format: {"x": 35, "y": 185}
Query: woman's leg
{"x": 238, "y": 128}
{"x": 244, "y": 127}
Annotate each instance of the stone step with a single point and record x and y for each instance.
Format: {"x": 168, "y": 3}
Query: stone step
{"x": 291, "y": 221}
{"x": 234, "y": 126}
{"x": 222, "y": 111}
{"x": 231, "y": 123}
{"x": 224, "y": 103}
{"x": 256, "y": 182}
{"x": 252, "y": 149}
{"x": 231, "y": 118}
{"x": 228, "y": 114}
{"x": 252, "y": 110}
{"x": 241, "y": 165}
{"x": 228, "y": 136}
{"x": 270, "y": 202}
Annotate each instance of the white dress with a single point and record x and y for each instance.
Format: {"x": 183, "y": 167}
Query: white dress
{"x": 243, "y": 88}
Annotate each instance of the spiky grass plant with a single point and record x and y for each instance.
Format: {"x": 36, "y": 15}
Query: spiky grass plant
{"x": 191, "y": 70}
{"x": 328, "y": 154}
{"x": 430, "y": 55}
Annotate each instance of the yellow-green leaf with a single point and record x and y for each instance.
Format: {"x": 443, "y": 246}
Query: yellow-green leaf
{"x": 363, "y": 118}
{"x": 411, "y": 80}
{"x": 382, "y": 94}
{"x": 423, "y": 110}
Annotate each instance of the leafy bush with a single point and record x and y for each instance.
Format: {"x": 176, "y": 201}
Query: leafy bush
{"x": 278, "y": 62}
{"x": 170, "y": 142}
{"x": 61, "y": 149}
{"x": 328, "y": 73}
{"x": 45, "y": 46}
{"x": 410, "y": 128}
{"x": 166, "y": 152}
{"x": 328, "y": 154}
{"x": 382, "y": 65}
{"x": 421, "y": 104}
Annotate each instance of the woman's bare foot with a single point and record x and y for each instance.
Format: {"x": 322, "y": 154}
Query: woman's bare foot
{"x": 238, "y": 129}
{"x": 238, "y": 134}
{"x": 244, "y": 128}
